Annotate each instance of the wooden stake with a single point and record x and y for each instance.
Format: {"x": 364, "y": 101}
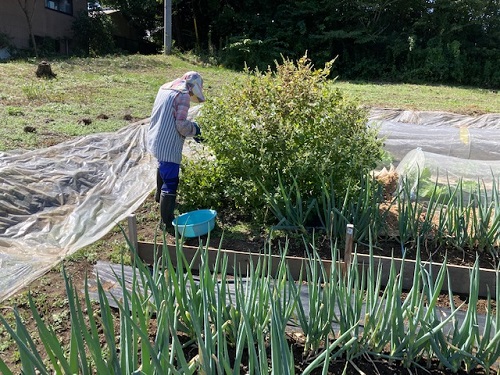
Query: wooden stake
{"x": 349, "y": 237}
{"x": 132, "y": 231}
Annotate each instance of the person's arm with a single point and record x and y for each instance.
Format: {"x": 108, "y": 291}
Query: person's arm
{"x": 184, "y": 126}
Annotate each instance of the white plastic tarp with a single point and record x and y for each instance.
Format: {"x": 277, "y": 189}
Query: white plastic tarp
{"x": 450, "y": 134}
{"x": 443, "y": 148}
{"x": 55, "y": 201}
{"x": 418, "y": 166}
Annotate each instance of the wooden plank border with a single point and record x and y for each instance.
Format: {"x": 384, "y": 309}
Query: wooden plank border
{"x": 236, "y": 259}
{"x": 459, "y": 275}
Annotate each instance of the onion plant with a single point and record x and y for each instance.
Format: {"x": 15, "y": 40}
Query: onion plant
{"x": 410, "y": 211}
{"x": 454, "y": 220}
{"x": 316, "y": 318}
{"x": 488, "y": 348}
{"x": 169, "y": 320}
{"x": 459, "y": 214}
{"x": 289, "y": 207}
{"x": 463, "y": 215}
{"x": 486, "y": 218}
{"x": 295, "y": 210}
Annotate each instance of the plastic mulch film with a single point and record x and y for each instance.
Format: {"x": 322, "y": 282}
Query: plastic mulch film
{"x": 55, "y": 201}
{"x": 443, "y": 148}
{"x": 423, "y": 170}
{"x": 459, "y": 136}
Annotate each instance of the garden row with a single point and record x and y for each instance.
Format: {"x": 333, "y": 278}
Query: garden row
{"x": 173, "y": 320}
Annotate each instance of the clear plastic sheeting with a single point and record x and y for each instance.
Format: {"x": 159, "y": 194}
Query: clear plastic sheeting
{"x": 425, "y": 169}
{"x": 55, "y": 201}
{"x": 430, "y": 148}
{"x": 459, "y": 136}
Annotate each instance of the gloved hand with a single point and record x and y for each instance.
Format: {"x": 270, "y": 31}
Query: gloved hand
{"x": 197, "y": 137}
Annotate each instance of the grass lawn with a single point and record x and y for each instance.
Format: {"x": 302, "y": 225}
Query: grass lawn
{"x": 104, "y": 94}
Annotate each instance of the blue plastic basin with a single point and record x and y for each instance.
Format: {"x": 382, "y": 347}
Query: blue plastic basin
{"x": 195, "y": 223}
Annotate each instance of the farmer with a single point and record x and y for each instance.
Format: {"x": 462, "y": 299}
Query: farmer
{"x": 167, "y": 131}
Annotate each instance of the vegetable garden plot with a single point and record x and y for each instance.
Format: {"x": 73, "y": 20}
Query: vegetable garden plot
{"x": 57, "y": 200}
{"x": 114, "y": 276}
{"x": 444, "y": 155}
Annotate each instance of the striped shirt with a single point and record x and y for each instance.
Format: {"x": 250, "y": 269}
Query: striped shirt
{"x": 169, "y": 125}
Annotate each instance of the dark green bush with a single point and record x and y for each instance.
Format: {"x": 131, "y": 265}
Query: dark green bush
{"x": 6, "y": 42}
{"x": 241, "y": 52}
{"x": 290, "y": 124}
{"x": 93, "y": 35}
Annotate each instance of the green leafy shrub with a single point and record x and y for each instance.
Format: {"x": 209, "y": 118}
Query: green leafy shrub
{"x": 289, "y": 124}
{"x": 93, "y": 35}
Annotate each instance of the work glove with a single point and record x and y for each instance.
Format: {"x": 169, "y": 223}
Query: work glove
{"x": 197, "y": 137}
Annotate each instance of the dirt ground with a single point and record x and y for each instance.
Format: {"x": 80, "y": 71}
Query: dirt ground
{"x": 49, "y": 294}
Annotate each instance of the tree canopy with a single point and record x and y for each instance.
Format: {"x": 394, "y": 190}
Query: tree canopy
{"x": 434, "y": 41}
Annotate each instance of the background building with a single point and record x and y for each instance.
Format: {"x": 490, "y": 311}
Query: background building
{"x": 51, "y": 20}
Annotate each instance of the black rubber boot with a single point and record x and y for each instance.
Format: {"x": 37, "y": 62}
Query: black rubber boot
{"x": 159, "y": 184}
{"x": 167, "y": 206}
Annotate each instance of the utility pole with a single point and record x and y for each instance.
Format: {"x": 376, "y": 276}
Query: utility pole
{"x": 167, "y": 23}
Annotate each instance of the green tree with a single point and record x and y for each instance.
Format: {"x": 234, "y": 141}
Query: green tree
{"x": 93, "y": 35}
{"x": 441, "y": 41}
{"x": 29, "y": 12}
{"x": 455, "y": 41}
{"x": 143, "y": 15}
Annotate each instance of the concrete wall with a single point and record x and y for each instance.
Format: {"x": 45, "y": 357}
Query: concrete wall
{"x": 46, "y": 22}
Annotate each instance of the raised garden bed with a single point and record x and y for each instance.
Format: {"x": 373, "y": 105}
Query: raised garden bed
{"x": 459, "y": 276}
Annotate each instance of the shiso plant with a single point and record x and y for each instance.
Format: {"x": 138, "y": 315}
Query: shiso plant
{"x": 285, "y": 126}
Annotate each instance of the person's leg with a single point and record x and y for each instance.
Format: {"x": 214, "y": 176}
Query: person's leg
{"x": 167, "y": 207}
{"x": 169, "y": 173}
{"x": 159, "y": 184}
